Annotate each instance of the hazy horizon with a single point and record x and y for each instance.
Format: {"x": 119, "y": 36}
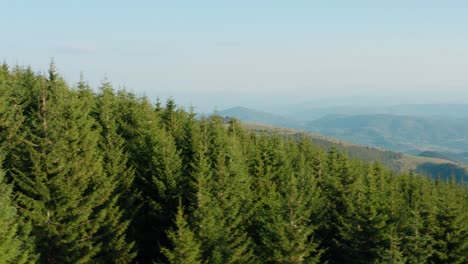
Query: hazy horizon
{"x": 219, "y": 54}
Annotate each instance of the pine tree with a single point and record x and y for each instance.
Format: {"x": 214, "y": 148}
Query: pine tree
{"x": 392, "y": 196}
{"x": 10, "y": 245}
{"x": 393, "y": 253}
{"x": 191, "y": 141}
{"x": 417, "y": 221}
{"x": 457, "y": 240}
{"x": 157, "y": 183}
{"x": 16, "y": 235}
{"x": 186, "y": 248}
{"x": 13, "y": 245}
{"x": 11, "y": 117}
{"x": 114, "y": 228}
{"x": 287, "y": 230}
{"x": 164, "y": 188}
{"x": 59, "y": 179}
{"x": 338, "y": 187}
{"x": 451, "y": 233}
{"x": 222, "y": 199}
{"x": 173, "y": 119}
{"x": 368, "y": 230}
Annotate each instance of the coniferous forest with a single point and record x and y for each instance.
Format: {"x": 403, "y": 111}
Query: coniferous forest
{"x": 103, "y": 176}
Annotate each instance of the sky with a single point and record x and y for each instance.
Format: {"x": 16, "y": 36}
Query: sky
{"x": 217, "y": 54}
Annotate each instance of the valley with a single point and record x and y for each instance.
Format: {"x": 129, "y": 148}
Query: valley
{"x": 402, "y": 143}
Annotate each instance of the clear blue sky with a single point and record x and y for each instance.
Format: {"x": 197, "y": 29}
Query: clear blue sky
{"x": 222, "y": 53}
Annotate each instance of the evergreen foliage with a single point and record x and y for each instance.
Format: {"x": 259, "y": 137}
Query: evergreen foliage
{"x": 13, "y": 245}
{"x": 186, "y": 247}
{"x": 118, "y": 207}
{"x": 106, "y": 177}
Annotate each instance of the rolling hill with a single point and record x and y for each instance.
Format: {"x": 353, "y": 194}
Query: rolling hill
{"x": 260, "y": 117}
{"x": 314, "y": 111}
{"x": 415, "y": 135}
{"x": 406, "y": 134}
{"x": 398, "y": 162}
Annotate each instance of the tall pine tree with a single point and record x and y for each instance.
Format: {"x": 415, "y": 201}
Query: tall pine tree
{"x": 186, "y": 248}
{"x": 119, "y": 207}
{"x": 60, "y": 183}
{"x": 13, "y": 245}
{"x": 223, "y": 198}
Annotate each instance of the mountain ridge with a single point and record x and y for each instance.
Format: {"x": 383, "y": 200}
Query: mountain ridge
{"x": 260, "y": 117}
{"x": 396, "y": 161}
{"x": 425, "y": 159}
{"x": 402, "y": 133}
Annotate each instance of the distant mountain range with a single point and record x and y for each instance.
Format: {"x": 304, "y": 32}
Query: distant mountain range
{"x": 309, "y": 112}
{"x": 261, "y": 117}
{"x": 420, "y": 137}
{"x": 431, "y": 166}
{"x": 406, "y": 134}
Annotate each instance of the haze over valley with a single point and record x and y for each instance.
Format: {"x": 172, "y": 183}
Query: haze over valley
{"x": 411, "y": 129}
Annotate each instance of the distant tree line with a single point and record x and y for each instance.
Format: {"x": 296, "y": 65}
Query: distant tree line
{"x": 102, "y": 176}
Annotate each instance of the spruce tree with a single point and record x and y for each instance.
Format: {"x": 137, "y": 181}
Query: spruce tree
{"x": 59, "y": 180}
{"x": 417, "y": 221}
{"x": 368, "y": 239}
{"x": 223, "y": 198}
{"x": 157, "y": 183}
{"x": 16, "y": 234}
{"x": 11, "y": 108}
{"x": 338, "y": 188}
{"x": 13, "y": 245}
{"x": 393, "y": 198}
{"x": 119, "y": 206}
{"x": 287, "y": 230}
{"x": 186, "y": 248}
{"x": 188, "y": 150}
{"x": 451, "y": 233}
{"x": 173, "y": 120}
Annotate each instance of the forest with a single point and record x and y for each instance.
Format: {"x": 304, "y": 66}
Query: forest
{"x": 99, "y": 175}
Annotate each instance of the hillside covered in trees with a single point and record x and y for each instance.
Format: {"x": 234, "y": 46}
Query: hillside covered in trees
{"x": 425, "y": 135}
{"x": 102, "y": 176}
